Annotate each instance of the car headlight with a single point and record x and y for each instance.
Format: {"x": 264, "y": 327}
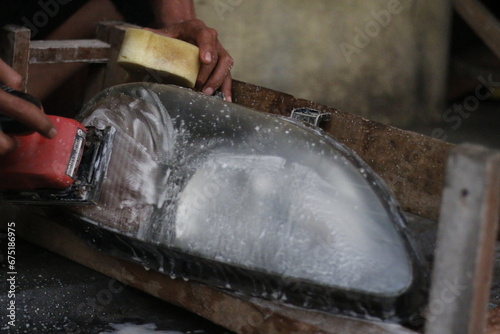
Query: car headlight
{"x": 250, "y": 202}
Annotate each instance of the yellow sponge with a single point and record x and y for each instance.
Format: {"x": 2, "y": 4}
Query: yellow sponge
{"x": 148, "y": 56}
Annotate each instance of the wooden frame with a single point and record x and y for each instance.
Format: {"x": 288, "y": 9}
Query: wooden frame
{"x": 412, "y": 165}
{"x": 15, "y": 43}
{"x": 466, "y": 242}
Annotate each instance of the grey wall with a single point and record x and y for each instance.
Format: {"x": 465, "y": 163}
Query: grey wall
{"x": 383, "y": 59}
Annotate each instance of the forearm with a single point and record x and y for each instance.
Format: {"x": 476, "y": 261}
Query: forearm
{"x": 168, "y": 12}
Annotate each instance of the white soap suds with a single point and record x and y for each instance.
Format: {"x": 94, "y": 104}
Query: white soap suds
{"x": 129, "y": 328}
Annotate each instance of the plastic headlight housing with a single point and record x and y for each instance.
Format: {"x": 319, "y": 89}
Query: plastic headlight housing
{"x": 249, "y": 202}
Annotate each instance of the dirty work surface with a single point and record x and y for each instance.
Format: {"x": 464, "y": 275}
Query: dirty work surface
{"x": 55, "y": 295}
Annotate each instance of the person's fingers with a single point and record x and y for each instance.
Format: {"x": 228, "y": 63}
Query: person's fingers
{"x": 218, "y": 75}
{"x": 26, "y": 113}
{"x": 215, "y": 61}
{"x": 7, "y": 143}
{"x": 196, "y": 33}
{"x": 207, "y": 42}
{"x": 203, "y": 75}
{"x": 226, "y": 87}
{"x": 10, "y": 77}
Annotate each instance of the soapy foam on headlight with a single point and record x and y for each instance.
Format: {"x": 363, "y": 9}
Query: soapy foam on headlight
{"x": 264, "y": 212}
{"x": 248, "y": 190}
{"x": 258, "y": 211}
{"x": 132, "y": 188}
{"x": 129, "y": 328}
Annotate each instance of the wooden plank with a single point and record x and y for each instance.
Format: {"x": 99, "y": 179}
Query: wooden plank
{"x": 15, "y": 42}
{"x": 466, "y": 242}
{"x": 482, "y": 21}
{"x": 236, "y": 313}
{"x": 70, "y": 51}
{"x": 412, "y": 165}
{"x": 111, "y": 73}
{"x": 113, "y": 33}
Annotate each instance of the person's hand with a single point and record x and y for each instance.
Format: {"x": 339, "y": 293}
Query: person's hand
{"x": 20, "y": 110}
{"x": 216, "y": 62}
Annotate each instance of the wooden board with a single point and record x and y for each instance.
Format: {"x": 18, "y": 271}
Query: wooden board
{"x": 106, "y": 75}
{"x": 466, "y": 242}
{"x": 15, "y": 42}
{"x": 71, "y": 51}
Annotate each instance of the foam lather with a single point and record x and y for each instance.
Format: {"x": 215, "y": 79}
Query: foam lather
{"x": 148, "y": 56}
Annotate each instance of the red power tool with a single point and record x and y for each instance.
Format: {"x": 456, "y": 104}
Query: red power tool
{"x": 67, "y": 169}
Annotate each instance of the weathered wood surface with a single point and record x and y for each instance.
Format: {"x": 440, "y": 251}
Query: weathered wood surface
{"x": 412, "y": 165}
{"x": 15, "y": 42}
{"x": 239, "y": 314}
{"x": 70, "y": 51}
{"x": 466, "y": 241}
{"x": 113, "y": 33}
{"x": 109, "y": 74}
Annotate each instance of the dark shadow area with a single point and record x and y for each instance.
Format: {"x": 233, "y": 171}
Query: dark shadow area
{"x": 472, "y": 110}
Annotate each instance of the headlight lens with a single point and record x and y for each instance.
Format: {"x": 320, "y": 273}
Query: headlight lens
{"x": 225, "y": 193}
